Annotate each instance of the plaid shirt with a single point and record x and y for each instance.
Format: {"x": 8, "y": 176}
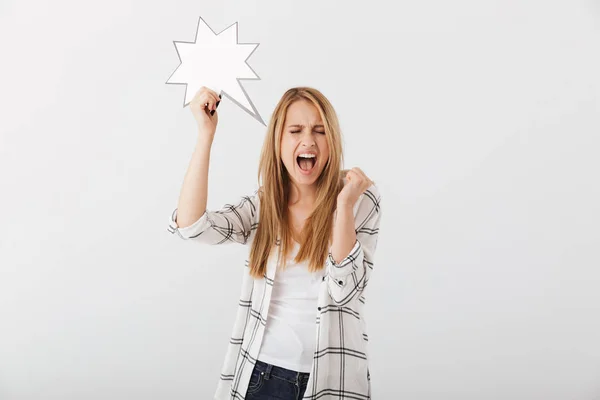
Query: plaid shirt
{"x": 340, "y": 362}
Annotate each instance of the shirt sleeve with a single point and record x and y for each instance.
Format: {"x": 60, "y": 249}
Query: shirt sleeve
{"x": 348, "y": 278}
{"x": 231, "y": 224}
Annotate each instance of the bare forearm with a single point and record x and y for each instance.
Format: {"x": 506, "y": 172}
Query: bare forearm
{"x": 194, "y": 191}
{"x": 344, "y": 235}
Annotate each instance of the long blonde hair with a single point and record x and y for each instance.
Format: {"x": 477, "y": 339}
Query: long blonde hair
{"x": 275, "y": 190}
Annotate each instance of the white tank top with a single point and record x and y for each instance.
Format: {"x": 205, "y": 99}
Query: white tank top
{"x": 289, "y": 340}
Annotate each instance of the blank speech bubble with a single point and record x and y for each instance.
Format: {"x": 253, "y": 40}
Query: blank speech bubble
{"x": 218, "y": 62}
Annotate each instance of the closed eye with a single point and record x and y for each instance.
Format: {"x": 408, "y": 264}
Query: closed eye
{"x": 301, "y": 131}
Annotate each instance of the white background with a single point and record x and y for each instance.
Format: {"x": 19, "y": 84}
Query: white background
{"x": 478, "y": 120}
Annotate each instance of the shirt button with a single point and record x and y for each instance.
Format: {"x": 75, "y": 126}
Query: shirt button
{"x": 323, "y": 278}
{"x": 319, "y": 308}
{"x": 341, "y": 282}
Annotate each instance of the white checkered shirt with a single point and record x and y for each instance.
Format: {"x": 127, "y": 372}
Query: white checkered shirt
{"x": 340, "y": 363}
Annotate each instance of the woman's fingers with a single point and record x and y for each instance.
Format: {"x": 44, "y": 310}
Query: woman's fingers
{"x": 213, "y": 99}
{"x": 206, "y": 98}
{"x": 203, "y": 106}
{"x": 209, "y": 101}
{"x": 362, "y": 177}
{"x": 214, "y": 94}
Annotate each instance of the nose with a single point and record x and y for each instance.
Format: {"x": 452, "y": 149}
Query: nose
{"x": 308, "y": 141}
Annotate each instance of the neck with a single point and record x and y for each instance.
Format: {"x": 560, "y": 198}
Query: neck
{"x": 302, "y": 195}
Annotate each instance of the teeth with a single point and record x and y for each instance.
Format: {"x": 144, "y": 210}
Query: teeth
{"x": 307, "y": 155}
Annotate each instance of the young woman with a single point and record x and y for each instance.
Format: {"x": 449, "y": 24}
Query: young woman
{"x": 312, "y": 230}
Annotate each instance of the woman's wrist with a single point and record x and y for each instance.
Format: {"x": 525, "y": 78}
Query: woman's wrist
{"x": 204, "y": 140}
{"x": 342, "y": 205}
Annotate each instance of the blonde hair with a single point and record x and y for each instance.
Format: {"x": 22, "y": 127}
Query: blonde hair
{"x": 274, "y": 193}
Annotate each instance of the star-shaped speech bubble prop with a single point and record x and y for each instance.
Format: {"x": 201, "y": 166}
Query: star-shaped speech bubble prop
{"x": 218, "y": 62}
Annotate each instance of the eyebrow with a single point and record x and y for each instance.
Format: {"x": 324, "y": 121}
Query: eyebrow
{"x": 302, "y": 126}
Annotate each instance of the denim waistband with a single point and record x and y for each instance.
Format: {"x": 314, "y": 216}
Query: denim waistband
{"x": 281, "y": 373}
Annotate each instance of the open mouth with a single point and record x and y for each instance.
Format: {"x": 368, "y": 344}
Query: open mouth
{"x": 306, "y": 164}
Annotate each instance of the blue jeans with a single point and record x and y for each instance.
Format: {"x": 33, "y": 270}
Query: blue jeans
{"x": 269, "y": 382}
